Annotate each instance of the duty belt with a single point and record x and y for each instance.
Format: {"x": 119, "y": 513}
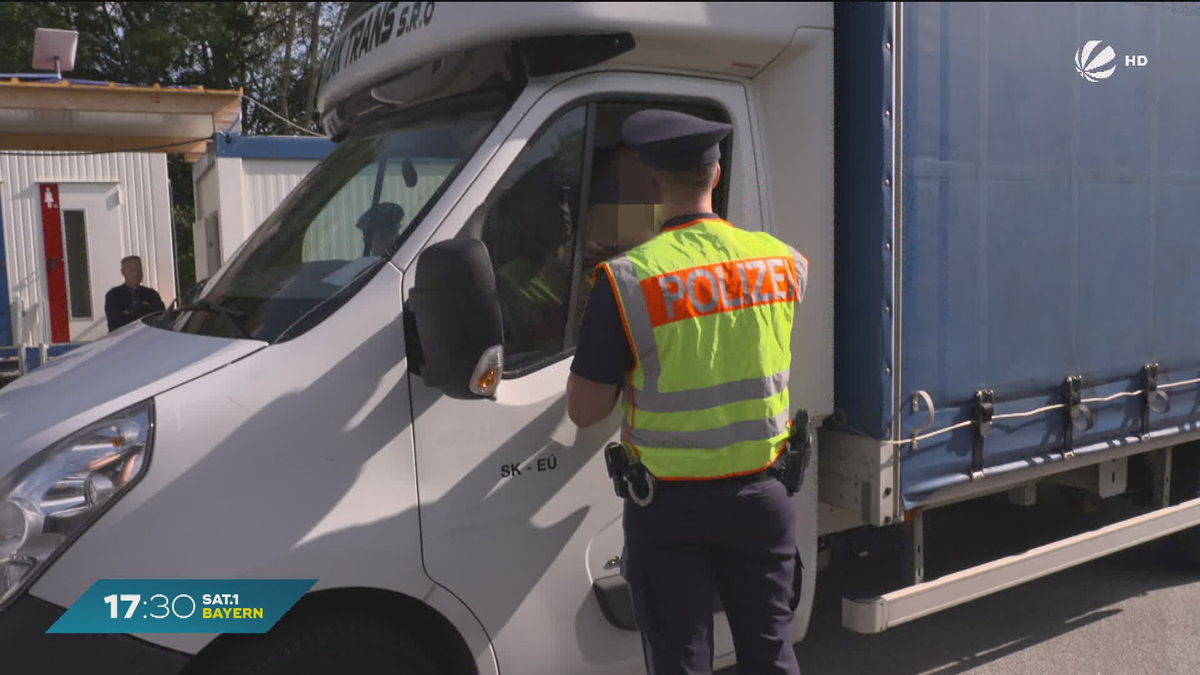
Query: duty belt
{"x": 633, "y": 481}
{"x": 793, "y": 462}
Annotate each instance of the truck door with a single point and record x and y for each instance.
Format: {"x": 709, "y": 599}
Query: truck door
{"x": 518, "y": 517}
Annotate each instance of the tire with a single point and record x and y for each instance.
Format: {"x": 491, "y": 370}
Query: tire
{"x": 319, "y": 645}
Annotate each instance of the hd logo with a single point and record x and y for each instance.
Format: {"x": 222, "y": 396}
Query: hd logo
{"x": 1094, "y": 66}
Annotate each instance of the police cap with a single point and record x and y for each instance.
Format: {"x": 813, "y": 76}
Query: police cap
{"x": 384, "y": 216}
{"x": 673, "y": 141}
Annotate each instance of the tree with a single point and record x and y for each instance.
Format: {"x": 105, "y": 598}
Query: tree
{"x": 253, "y": 46}
{"x": 314, "y": 70}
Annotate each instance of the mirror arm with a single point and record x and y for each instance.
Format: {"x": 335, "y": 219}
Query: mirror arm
{"x": 412, "y": 342}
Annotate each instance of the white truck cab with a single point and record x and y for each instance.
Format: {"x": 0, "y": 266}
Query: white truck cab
{"x": 343, "y": 402}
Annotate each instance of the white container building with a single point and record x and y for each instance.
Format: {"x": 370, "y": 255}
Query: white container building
{"x": 67, "y": 221}
{"x": 239, "y": 182}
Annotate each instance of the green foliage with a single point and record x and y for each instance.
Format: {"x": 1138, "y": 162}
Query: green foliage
{"x": 270, "y": 50}
{"x": 184, "y": 249}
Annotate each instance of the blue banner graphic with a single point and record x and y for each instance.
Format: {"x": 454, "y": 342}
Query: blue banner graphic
{"x": 181, "y": 606}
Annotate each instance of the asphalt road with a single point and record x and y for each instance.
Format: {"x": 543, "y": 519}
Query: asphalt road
{"x": 1135, "y": 612}
{"x": 1132, "y": 613}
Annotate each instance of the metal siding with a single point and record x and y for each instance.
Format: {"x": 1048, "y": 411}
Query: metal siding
{"x": 143, "y": 217}
{"x": 1049, "y": 225}
{"x": 159, "y": 227}
{"x": 6, "y": 326}
{"x": 267, "y": 182}
{"x": 333, "y": 235}
{"x": 230, "y": 207}
{"x": 206, "y": 193}
{"x": 207, "y": 201}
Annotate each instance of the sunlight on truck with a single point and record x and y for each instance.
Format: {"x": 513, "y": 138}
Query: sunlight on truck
{"x": 998, "y": 315}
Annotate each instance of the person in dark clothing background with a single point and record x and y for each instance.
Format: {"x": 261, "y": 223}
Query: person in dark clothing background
{"x": 131, "y": 300}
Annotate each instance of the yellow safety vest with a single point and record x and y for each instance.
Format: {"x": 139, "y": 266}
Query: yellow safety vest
{"x": 708, "y": 310}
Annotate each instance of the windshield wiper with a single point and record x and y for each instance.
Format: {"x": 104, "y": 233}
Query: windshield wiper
{"x": 234, "y": 317}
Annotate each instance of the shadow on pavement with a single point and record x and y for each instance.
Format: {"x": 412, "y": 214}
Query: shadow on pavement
{"x": 966, "y": 637}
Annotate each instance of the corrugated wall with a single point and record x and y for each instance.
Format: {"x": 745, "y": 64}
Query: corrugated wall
{"x": 207, "y": 198}
{"x": 333, "y": 235}
{"x": 144, "y": 216}
{"x": 208, "y": 203}
{"x": 266, "y": 182}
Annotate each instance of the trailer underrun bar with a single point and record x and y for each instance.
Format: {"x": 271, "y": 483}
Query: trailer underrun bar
{"x": 875, "y": 615}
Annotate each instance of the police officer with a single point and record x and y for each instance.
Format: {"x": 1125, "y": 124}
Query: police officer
{"x": 694, "y": 327}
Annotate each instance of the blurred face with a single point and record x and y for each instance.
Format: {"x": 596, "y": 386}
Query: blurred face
{"x": 132, "y": 271}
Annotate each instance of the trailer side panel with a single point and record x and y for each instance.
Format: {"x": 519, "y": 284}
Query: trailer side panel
{"x": 1047, "y": 229}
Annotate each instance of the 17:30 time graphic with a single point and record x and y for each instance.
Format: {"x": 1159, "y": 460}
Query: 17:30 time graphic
{"x": 169, "y": 605}
{"x": 181, "y": 606}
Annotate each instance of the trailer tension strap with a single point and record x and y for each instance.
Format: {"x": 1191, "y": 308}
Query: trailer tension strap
{"x": 1153, "y": 394}
{"x": 984, "y": 410}
{"x": 1079, "y": 416}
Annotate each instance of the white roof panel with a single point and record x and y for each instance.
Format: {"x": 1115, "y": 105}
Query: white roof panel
{"x": 726, "y": 38}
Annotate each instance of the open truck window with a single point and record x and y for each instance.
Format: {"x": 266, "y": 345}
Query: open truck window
{"x": 623, "y": 205}
{"x": 531, "y": 222}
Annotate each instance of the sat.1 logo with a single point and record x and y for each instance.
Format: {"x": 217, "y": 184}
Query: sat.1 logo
{"x": 1094, "y": 66}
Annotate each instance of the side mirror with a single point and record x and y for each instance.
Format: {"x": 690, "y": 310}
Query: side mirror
{"x": 456, "y": 310}
{"x": 187, "y": 296}
{"x": 193, "y": 291}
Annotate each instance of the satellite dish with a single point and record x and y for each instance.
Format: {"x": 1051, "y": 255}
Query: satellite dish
{"x": 54, "y": 49}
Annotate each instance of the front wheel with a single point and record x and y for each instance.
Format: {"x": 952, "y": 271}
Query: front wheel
{"x": 318, "y": 645}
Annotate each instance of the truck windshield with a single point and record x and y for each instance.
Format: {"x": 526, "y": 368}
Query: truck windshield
{"x": 339, "y": 225}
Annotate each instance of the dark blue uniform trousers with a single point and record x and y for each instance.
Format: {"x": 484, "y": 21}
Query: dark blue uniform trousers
{"x": 737, "y": 534}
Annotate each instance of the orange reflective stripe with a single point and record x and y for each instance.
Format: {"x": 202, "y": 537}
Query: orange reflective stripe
{"x": 720, "y": 287}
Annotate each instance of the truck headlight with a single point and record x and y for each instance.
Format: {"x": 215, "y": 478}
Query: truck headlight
{"x": 52, "y": 498}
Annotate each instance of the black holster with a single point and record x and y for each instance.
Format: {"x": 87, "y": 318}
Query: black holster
{"x": 617, "y": 463}
{"x": 793, "y": 462}
{"x": 631, "y": 480}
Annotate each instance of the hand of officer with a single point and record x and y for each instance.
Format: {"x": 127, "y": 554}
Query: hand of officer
{"x": 595, "y": 252}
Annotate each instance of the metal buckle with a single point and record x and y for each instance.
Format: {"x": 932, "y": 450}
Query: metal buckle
{"x": 1079, "y": 416}
{"x": 633, "y": 493}
{"x": 984, "y": 410}
{"x": 1153, "y": 394}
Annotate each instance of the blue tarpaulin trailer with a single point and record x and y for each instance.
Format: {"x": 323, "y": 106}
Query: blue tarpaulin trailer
{"x": 1043, "y": 228}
